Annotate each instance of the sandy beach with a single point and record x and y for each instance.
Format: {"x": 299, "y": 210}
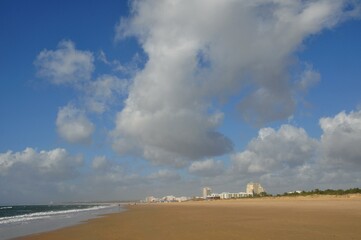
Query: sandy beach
{"x": 252, "y": 219}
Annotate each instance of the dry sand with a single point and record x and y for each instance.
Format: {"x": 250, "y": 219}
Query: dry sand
{"x": 294, "y": 218}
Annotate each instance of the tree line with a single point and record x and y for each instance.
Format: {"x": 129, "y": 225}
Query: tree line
{"x": 322, "y": 192}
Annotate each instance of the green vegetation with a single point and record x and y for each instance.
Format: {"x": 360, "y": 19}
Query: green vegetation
{"x": 262, "y": 194}
{"x": 322, "y": 192}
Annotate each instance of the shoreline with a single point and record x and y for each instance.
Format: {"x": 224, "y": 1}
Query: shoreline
{"x": 46, "y": 221}
{"x": 324, "y": 217}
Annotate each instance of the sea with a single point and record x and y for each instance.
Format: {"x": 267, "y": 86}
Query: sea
{"x": 21, "y": 220}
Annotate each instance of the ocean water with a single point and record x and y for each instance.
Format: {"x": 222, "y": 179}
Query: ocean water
{"x": 16, "y": 221}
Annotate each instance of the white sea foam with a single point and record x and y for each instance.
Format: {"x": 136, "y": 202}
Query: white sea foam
{"x": 21, "y": 225}
{"x": 43, "y": 215}
{"x": 1, "y": 208}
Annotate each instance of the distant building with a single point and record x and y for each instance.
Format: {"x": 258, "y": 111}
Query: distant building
{"x": 170, "y": 198}
{"x": 151, "y": 199}
{"x": 254, "y": 188}
{"x": 228, "y": 195}
{"x": 206, "y": 192}
{"x": 182, "y": 199}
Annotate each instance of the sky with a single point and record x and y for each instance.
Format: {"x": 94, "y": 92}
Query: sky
{"x": 119, "y": 100}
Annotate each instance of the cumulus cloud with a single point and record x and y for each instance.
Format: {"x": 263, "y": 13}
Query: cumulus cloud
{"x": 273, "y": 150}
{"x": 109, "y": 176}
{"x": 73, "y": 125}
{"x": 65, "y": 65}
{"x": 309, "y": 78}
{"x": 73, "y": 67}
{"x": 289, "y": 158}
{"x": 102, "y": 92}
{"x": 110, "y": 173}
{"x": 164, "y": 175}
{"x": 341, "y": 139}
{"x": 195, "y": 59}
{"x": 282, "y": 160}
{"x": 33, "y": 176}
{"x": 207, "y": 168}
{"x": 116, "y": 174}
{"x": 53, "y": 165}
{"x": 128, "y": 69}
{"x": 100, "y": 163}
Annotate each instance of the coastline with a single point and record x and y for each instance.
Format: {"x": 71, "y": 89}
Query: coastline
{"x": 42, "y": 218}
{"x": 325, "y": 217}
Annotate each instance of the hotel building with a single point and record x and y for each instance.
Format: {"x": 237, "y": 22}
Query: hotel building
{"x": 206, "y": 192}
{"x": 254, "y": 188}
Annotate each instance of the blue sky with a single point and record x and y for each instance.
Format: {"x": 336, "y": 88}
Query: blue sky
{"x": 120, "y": 100}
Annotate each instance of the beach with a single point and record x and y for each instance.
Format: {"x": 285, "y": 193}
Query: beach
{"x": 22, "y": 220}
{"x": 326, "y": 217}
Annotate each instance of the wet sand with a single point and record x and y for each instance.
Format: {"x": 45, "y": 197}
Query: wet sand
{"x": 251, "y": 219}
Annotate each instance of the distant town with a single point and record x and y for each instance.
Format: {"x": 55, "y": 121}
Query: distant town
{"x": 252, "y": 189}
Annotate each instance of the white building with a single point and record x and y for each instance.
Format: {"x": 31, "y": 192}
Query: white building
{"x": 170, "y": 198}
{"x": 182, "y": 199}
{"x": 228, "y": 195}
{"x": 254, "y": 188}
{"x": 206, "y": 192}
{"x": 151, "y": 199}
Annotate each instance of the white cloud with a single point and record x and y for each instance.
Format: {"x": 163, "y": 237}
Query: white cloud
{"x": 102, "y": 92}
{"x": 130, "y": 68}
{"x": 164, "y": 175}
{"x": 68, "y": 65}
{"x": 207, "y": 168}
{"x": 103, "y": 57}
{"x": 29, "y": 164}
{"x": 308, "y": 78}
{"x": 73, "y": 126}
{"x": 273, "y": 151}
{"x": 32, "y": 176}
{"x": 341, "y": 139}
{"x": 65, "y": 65}
{"x": 195, "y": 59}
{"x": 288, "y": 158}
{"x": 100, "y": 163}
{"x": 116, "y": 174}
{"x": 109, "y": 179}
